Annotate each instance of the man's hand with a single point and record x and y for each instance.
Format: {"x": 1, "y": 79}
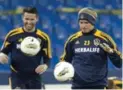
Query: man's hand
{"x": 41, "y": 69}
{"x": 106, "y": 48}
{"x": 3, "y": 58}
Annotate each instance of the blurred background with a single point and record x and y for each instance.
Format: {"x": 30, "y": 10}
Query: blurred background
{"x": 58, "y": 18}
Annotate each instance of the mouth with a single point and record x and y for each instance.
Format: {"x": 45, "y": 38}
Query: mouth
{"x": 84, "y": 29}
{"x": 29, "y": 26}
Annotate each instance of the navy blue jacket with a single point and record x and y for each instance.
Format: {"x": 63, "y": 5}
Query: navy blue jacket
{"x": 20, "y": 62}
{"x": 89, "y": 59}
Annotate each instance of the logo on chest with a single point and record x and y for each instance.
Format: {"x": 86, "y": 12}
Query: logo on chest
{"x": 77, "y": 42}
{"x": 91, "y": 50}
{"x": 87, "y": 46}
{"x": 96, "y": 42}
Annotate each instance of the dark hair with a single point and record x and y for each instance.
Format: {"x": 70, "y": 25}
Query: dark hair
{"x": 32, "y": 10}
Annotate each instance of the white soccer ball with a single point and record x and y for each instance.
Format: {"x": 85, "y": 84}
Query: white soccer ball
{"x": 30, "y": 46}
{"x": 63, "y": 71}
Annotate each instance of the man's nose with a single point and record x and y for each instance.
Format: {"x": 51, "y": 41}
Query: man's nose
{"x": 28, "y": 21}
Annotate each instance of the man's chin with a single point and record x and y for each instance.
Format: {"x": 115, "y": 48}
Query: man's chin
{"x": 28, "y": 29}
{"x": 85, "y": 31}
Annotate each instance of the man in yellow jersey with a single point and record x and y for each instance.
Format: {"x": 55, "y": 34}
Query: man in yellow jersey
{"x": 26, "y": 70}
{"x": 88, "y": 51}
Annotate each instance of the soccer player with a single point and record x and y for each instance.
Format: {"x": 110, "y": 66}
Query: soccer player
{"x": 88, "y": 51}
{"x": 26, "y": 70}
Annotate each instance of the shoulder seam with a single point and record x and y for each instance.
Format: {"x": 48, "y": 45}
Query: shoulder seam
{"x": 46, "y": 37}
{"x": 42, "y": 34}
{"x": 18, "y": 31}
{"x": 11, "y": 32}
{"x": 74, "y": 36}
{"x": 108, "y": 37}
{"x": 100, "y": 35}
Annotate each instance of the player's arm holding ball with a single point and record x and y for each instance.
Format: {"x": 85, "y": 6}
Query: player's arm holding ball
{"x": 6, "y": 48}
{"x": 64, "y": 70}
{"x": 46, "y": 49}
